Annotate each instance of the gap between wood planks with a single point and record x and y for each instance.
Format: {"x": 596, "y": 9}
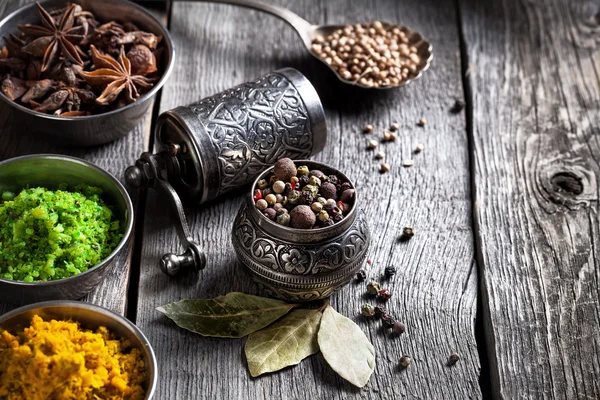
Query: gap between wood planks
{"x": 136, "y": 257}
{"x": 480, "y": 337}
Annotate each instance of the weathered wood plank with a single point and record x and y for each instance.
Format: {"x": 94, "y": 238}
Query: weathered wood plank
{"x": 435, "y": 289}
{"x": 113, "y": 157}
{"x": 536, "y": 97}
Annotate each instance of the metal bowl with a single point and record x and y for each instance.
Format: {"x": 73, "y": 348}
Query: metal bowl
{"x": 300, "y": 264}
{"x": 49, "y": 171}
{"x": 90, "y": 317}
{"x": 93, "y": 129}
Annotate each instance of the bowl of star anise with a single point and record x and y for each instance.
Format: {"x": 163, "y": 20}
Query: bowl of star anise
{"x": 81, "y": 73}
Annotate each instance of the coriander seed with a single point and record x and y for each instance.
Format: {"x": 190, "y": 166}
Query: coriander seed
{"x": 422, "y": 122}
{"x": 372, "y": 144}
{"x": 368, "y": 128}
{"x": 385, "y": 167}
{"x": 271, "y": 199}
{"x": 419, "y": 148}
{"x": 394, "y": 127}
{"x": 380, "y": 155}
{"x": 279, "y": 187}
{"x": 262, "y": 204}
{"x": 387, "y": 136}
{"x": 408, "y": 163}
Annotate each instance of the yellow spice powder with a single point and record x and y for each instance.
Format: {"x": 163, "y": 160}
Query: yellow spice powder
{"x": 59, "y": 360}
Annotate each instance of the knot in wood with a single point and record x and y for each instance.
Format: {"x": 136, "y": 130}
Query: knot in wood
{"x": 567, "y": 182}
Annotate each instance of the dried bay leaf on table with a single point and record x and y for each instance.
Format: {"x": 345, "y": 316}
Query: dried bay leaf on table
{"x": 286, "y": 342}
{"x": 234, "y": 315}
{"x": 346, "y": 348}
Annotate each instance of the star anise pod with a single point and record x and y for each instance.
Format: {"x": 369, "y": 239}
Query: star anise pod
{"x": 54, "y": 38}
{"x": 65, "y": 99}
{"x": 116, "y": 77}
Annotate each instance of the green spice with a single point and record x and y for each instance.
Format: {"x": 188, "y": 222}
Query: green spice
{"x": 48, "y": 235}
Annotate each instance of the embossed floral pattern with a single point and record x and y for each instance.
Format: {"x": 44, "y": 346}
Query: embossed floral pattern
{"x": 295, "y": 261}
{"x": 253, "y": 125}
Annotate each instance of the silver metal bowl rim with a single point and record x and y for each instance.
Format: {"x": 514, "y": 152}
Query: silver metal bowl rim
{"x": 126, "y": 234}
{"x": 169, "y": 68}
{"x": 304, "y": 232}
{"x": 119, "y": 319}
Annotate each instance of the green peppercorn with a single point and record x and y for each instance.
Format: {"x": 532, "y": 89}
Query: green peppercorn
{"x": 367, "y": 310}
{"x": 271, "y": 199}
{"x": 278, "y": 186}
{"x": 283, "y": 219}
{"x": 314, "y": 181}
{"x": 316, "y": 206}
{"x": 314, "y": 190}
{"x": 373, "y": 288}
{"x": 303, "y": 170}
{"x": 293, "y": 197}
{"x": 262, "y": 184}
{"x": 323, "y": 215}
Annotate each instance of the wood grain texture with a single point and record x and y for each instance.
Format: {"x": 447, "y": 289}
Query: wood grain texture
{"x": 436, "y": 286}
{"x": 113, "y": 157}
{"x": 536, "y": 115}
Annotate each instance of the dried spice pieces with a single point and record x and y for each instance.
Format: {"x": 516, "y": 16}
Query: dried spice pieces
{"x": 367, "y": 310}
{"x": 48, "y": 235}
{"x": 453, "y": 359}
{"x": 301, "y": 198}
{"x": 372, "y": 55}
{"x": 72, "y": 65}
{"x": 59, "y": 360}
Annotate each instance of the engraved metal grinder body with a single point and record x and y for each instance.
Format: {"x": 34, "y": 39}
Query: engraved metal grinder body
{"x": 225, "y": 141}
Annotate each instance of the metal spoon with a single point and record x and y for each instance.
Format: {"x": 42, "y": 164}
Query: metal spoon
{"x": 309, "y": 32}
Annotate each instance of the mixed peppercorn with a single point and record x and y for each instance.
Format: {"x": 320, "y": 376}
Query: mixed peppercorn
{"x": 302, "y": 198}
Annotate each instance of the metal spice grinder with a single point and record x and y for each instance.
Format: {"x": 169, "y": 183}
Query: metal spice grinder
{"x": 225, "y": 141}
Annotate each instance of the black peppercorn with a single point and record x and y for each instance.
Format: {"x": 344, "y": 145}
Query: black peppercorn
{"x": 388, "y": 320}
{"x": 337, "y": 217}
{"x": 328, "y": 222}
{"x": 331, "y": 209}
{"x": 333, "y": 179}
{"x": 288, "y": 188}
{"x": 266, "y": 192}
{"x": 453, "y": 359}
{"x": 380, "y": 311}
{"x": 361, "y": 276}
{"x": 306, "y": 198}
{"x": 302, "y": 181}
{"x": 390, "y": 271}
{"x": 407, "y": 233}
{"x": 458, "y": 106}
{"x": 345, "y": 186}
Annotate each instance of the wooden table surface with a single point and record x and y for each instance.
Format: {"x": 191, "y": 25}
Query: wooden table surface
{"x": 504, "y": 266}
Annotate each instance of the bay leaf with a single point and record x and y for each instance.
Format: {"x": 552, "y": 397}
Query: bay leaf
{"x": 346, "y": 348}
{"x": 231, "y": 316}
{"x": 286, "y": 342}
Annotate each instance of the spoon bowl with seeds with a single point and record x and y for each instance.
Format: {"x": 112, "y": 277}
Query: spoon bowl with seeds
{"x": 376, "y": 55}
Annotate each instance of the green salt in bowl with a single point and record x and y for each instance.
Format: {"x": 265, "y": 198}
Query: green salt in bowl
{"x": 50, "y": 171}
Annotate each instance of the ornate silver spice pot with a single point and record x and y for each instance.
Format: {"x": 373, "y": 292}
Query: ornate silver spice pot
{"x": 300, "y": 264}
{"x": 223, "y": 142}
{"x": 228, "y": 140}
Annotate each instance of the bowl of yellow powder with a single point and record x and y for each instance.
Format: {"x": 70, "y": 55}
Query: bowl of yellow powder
{"x": 73, "y": 350}
{"x": 63, "y": 224}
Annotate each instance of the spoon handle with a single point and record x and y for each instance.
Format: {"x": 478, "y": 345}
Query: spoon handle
{"x": 302, "y": 26}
